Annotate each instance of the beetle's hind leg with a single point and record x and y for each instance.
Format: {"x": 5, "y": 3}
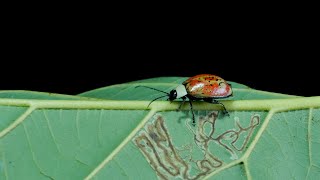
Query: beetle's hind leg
{"x": 213, "y": 101}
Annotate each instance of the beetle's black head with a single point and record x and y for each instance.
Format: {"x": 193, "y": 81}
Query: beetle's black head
{"x": 172, "y": 95}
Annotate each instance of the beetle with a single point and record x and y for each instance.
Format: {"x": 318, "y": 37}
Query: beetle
{"x": 205, "y": 87}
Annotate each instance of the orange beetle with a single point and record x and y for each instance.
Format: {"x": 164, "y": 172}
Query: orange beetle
{"x": 206, "y": 87}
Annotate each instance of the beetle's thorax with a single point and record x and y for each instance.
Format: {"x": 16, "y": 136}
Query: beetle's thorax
{"x": 181, "y": 91}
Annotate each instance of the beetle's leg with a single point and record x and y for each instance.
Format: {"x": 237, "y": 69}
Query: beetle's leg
{"x": 183, "y": 101}
{"x": 224, "y": 108}
{"x": 213, "y": 101}
{"x": 193, "y": 118}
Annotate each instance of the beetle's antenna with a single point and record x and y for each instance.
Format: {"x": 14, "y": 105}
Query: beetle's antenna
{"x": 156, "y": 99}
{"x": 153, "y": 89}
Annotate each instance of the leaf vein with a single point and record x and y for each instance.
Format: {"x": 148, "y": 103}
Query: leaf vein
{"x": 17, "y": 122}
{"x": 33, "y": 154}
{"x": 51, "y": 132}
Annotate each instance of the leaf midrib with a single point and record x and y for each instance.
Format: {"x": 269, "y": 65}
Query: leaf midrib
{"x": 289, "y": 104}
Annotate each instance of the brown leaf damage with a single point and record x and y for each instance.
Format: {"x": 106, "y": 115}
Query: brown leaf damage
{"x": 155, "y": 143}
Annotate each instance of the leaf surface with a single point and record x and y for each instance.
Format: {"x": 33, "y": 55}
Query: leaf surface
{"x": 267, "y": 136}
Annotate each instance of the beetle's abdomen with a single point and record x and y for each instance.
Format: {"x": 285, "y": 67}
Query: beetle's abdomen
{"x": 207, "y": 86}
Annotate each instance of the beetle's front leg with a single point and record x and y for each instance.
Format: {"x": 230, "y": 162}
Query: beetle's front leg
{"x": 191, "y": 108}
{"x": 183, "y": 101}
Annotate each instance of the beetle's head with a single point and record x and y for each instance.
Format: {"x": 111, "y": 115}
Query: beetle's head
{"x": 172, "y": 95}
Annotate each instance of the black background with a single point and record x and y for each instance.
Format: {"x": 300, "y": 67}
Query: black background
{"x": 73, "y": 55}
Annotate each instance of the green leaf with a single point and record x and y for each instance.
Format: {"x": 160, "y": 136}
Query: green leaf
{"x": 50, "y": 136}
